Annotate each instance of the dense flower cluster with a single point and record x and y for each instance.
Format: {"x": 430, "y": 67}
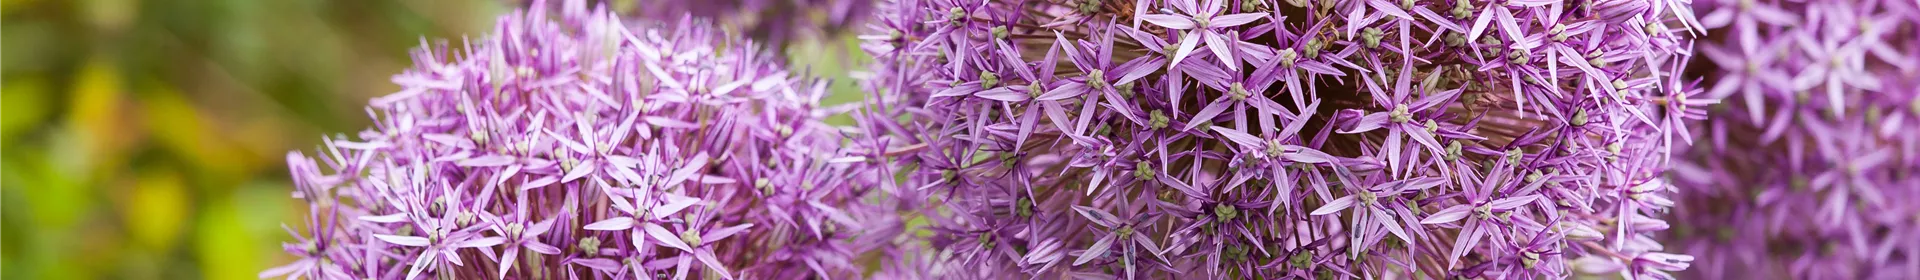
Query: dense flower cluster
{"x": 1810, "y": 169}
{"x": 772, "y": 21}
{"x": 577, "y": 148}
{"x": 1287, "y": 139}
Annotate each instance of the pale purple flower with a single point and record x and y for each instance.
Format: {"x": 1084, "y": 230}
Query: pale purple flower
{"x": 1572, "y": 106}
{"x": 579, "y": 148}
{"x": 1804, "y": 175}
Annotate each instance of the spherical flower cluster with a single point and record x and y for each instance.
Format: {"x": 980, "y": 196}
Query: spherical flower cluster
{"x": 772, "y": 21}
{"x": 578, "y": 148}
{"x": 1810, "y": 168}
{"x": 1287, "y": 139}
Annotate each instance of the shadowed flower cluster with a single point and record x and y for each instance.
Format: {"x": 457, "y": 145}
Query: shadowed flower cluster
{"x": 579, "y": 148}
{"x": 1266, "y": 139}
{"x": 1810, "y": 168}
{"x": 773, "y": 21}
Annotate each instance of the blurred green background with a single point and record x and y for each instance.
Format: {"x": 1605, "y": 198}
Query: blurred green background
{"x": 144, "y": 139}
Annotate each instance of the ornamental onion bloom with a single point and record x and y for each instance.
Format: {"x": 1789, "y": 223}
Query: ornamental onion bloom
{"x": 1249, "y": 139}
{"x": 773, "y": 21}
{"x": 1809, "y": 169}
{"x": 580, "y": 148}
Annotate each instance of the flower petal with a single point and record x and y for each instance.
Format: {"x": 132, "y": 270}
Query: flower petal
{"x": 1454, "y": 213}
{"x": 1169, "y": 21}
{"x": 1336, "y": 205}
{"x": 667, "y": 238}
{"x": 1232, "y": 20}
{"x": 413, "y": 241}
{"x": 615, "y": 223}
{"x": 723, "y": 233}
{"x": 1098, "y": 249}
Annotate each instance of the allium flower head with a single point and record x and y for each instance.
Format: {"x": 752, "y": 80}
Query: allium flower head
{"x": 1809, "y": 170}
{"x": 772, "y": 21}
{"x": 1287, "y": 139}
{"x": 580, "y": 148}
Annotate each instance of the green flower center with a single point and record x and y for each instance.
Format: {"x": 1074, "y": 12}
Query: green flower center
{"x": 691, "y": 238}
{"x": 1158, "y": 119}
{"x": 1096, "y": 79}
{"x": 1023, "y": 207}
{"x": 1143, "y": 171}
{"x": 1462, "y": 9}
{"x": 1400, "y": 114}
{"x": 1224, "y": 212}
{"x": 1274, "y": 148}
{"x": 1559, "y": 32}
{"x": 1519, "y": 57}
{"x": 1089, "y": 6}
{"x": 1313, "y": 48}
{"x": 957, "y": 16}
{"x": 1580, "y": 117}
{"x": 989, "y": 79}
{"x": 1453, "y": 150}
{"x": 1371, "y": 37}
{"x": 514, "y": 230}
{"x": 1454, "y": 39}
{"x": 1288, "y": 56}
{"x": 1237, "y": 91}
{"x": 590, "y": 245}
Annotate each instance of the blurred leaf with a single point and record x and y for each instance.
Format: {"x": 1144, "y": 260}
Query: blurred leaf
{"x": 96, "y": 111}
{"x": 184, "y": 130}
{"x": 832, "y": 60}
{"x": 110, "y": 14}
{"x": 23, "y": 106}
{"x": 157, "y": 207}
{"x": 50, "y": 180}
{"x": 223, "y": 245}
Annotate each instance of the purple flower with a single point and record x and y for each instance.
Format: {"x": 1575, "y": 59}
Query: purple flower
{"x": 1202, "y": 22}
{"x": 1481, "y": 210}
{"x": 605, "y": 152}
{"x": 773, "y": 21}
{"x": 1391, "y": 109}
{"x": 1802, "y": 174}
{"x": 1372, "y": 213}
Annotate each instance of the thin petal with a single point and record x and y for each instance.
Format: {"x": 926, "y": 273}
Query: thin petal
{"x": 713, "y": 263}
{"x": 1221, "y": 49}
{"x": 481, "y": 242}
{"x": 1511, "y": 202}
{"x": 1448, "y": 215}
{"x": 506, "y": 262}
{"x": 1006, "y": 94}
{"x": 414, "y": 241}
{"x": 615, "y": 223}
{"x": 1336, "y": 205}
{"x": 1238, "y": 137}
{"x": 660, "y": 234}
{"x": 1098, "y": 249}
{"x": 389, "y": 218}
{"x": 1233, "y": 20}
{"x": 723, "y": 233}
{"x": 1169, "y": 21}
{"x": 1187, "y": 44}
